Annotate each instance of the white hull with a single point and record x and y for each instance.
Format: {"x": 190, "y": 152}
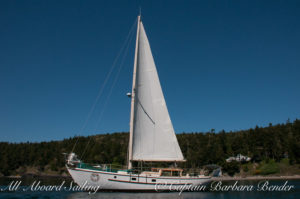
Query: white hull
{"x": 132, "y": 182}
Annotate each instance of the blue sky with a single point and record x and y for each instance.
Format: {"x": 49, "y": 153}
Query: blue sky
{"x": 223, "y": 64}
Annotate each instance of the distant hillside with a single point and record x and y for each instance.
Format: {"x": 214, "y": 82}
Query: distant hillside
{"x": 276, "y": 143}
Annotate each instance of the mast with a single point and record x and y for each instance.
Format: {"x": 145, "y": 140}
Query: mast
{"x": 129, "y": 163}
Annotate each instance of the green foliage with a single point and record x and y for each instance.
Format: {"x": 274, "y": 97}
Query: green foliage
{"x": 285, "y": 161}
{"x": 245, "y": 168}
{"x": 268, "y": 167}
{"x": 231, "y": 167}
{"x": 274, "y": 142}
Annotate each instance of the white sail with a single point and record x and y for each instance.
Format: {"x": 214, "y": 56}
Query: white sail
{"x": 152, "y": 134}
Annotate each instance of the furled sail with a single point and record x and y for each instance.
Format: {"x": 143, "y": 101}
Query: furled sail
{"x": 153, "y": 136}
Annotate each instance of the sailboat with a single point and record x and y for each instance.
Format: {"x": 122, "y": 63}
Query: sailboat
{"x": 151, "y": 139}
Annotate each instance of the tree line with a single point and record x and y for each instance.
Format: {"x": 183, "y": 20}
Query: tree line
{"x": 260, "y": 143}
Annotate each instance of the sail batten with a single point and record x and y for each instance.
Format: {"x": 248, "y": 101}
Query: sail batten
{"x": 152, "y": 134}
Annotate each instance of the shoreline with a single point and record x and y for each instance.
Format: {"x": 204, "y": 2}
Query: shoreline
{"x": 222, "y": 178}
{"x": 228, "y": 178}
{"x": 36, "y": 176}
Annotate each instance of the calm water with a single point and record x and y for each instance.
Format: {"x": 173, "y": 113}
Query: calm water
{"x": 27, "y": 182}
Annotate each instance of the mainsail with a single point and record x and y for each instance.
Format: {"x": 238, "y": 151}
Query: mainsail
{"x": 152, "y": 137}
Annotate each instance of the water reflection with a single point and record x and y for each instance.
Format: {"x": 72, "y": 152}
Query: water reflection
{"x": 115, "y": 195}
{"x": 164, "y": 195}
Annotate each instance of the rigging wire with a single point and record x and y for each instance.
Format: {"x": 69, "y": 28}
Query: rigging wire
{"x": 110, "y": 91}
{"x": 104, "y": 83}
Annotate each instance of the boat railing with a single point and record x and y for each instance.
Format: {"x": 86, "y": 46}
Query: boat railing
{"x": 102, "y": 167}
{"x": 191, "y": 172}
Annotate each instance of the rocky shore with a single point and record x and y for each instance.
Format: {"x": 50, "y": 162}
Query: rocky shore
{"x": 229, "y": 178}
